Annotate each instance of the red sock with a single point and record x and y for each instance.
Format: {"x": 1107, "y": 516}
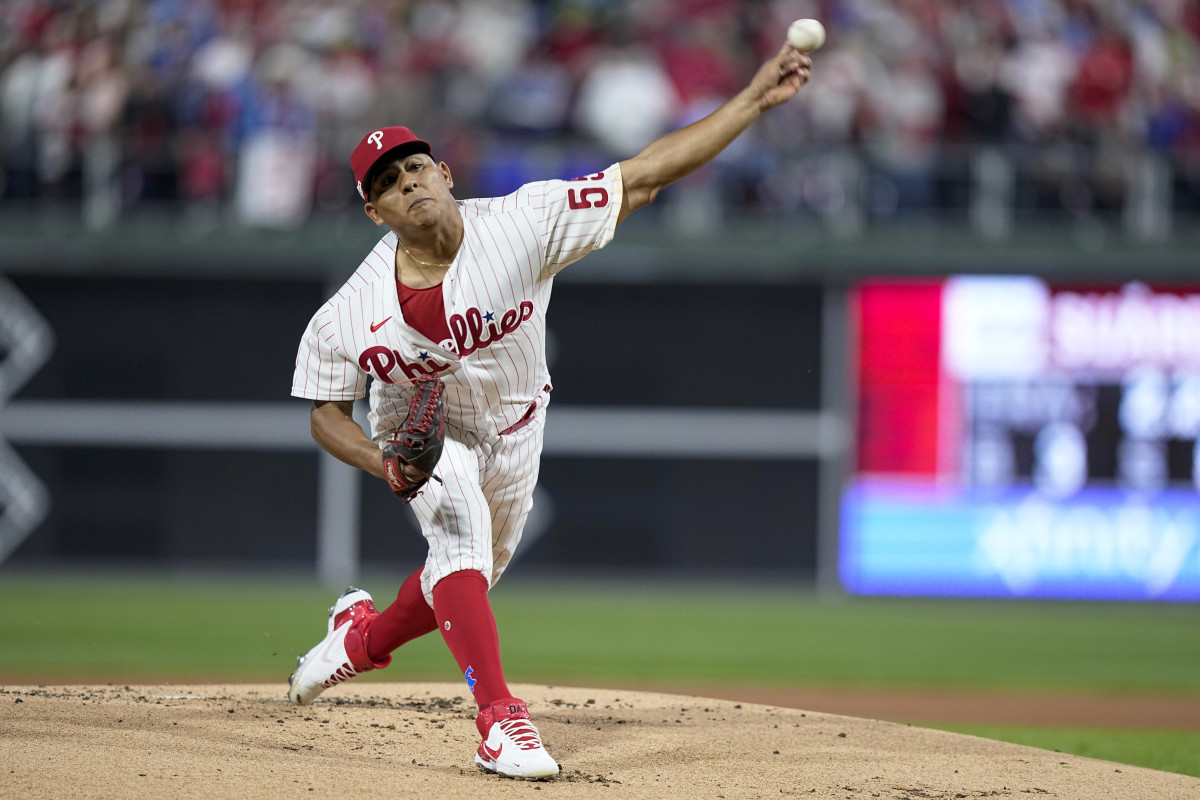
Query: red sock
{"x": 404, "y": 620}
{"x": 468, "y": 625}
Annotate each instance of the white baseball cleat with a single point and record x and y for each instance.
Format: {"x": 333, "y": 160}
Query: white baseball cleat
{"x": 512, "y": 746}
{"x": 342, "y": 654}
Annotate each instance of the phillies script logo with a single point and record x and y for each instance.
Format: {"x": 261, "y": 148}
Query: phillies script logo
{"x": 472, "y": 331}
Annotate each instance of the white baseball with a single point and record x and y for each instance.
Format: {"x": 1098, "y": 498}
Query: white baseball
{"x": 806, "y": 35}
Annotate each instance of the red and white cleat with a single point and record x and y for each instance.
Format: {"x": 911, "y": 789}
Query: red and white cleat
{"x": 342, "y": 654}
{"x": 511, "y": 744}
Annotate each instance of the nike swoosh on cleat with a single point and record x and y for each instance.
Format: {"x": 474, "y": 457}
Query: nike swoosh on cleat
{"x": 378, "y": 325}
{"x": 492, "y": 754}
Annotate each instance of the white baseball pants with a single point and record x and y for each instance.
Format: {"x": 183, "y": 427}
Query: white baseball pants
{"x": 473, "y": 518}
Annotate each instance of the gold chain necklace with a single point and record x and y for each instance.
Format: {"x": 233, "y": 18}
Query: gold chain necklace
{"x": 419, "y": 261}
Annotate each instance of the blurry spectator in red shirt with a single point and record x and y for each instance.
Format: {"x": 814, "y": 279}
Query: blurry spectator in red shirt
{"x": 1102, "y": 81}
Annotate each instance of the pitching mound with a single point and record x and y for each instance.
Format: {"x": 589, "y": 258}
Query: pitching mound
{"x": 417, "y": 740}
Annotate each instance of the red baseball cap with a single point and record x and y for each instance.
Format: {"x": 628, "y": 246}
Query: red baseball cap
{"x": 379, "y": 144}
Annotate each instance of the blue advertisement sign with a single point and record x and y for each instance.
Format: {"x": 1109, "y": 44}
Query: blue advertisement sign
{"x": 1100, "y": 544}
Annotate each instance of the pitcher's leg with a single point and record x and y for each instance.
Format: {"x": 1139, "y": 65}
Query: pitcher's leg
{"x": 408, "y": 617}
{"x": 510, "y": 477}
{"x": 460, "y": 518}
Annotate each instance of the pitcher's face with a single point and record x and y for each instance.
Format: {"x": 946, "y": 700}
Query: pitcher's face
{"x": 410, "y": 193}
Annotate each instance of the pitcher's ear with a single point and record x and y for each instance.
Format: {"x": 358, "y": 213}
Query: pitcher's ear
{"x": 370, "y": 210}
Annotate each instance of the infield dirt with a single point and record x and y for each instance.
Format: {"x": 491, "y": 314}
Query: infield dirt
{"x": 417, "y": 740}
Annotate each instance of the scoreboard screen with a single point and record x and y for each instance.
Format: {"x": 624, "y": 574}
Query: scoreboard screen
{"x": 1024, "y": 438}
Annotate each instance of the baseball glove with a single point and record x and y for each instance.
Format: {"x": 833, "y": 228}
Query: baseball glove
{"x": 411, "y": 452}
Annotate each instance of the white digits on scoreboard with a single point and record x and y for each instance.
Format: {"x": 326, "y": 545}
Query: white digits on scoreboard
{"x": 1144, "y": 399}
{"x": 1060, "y": 459}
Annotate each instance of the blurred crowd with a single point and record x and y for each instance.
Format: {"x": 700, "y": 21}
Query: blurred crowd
{"x": 251, "y": 107}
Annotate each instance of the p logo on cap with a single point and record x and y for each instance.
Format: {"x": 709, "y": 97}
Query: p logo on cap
{"x": 384, "y": 143}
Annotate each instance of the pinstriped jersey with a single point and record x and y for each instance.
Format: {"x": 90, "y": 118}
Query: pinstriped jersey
{"x": 495, "y": 292}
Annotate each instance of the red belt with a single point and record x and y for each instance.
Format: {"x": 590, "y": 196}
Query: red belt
{"x": 525, "y": 420}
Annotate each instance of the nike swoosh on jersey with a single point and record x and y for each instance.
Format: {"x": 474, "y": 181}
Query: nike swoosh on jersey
{"x": 376, "y": 326}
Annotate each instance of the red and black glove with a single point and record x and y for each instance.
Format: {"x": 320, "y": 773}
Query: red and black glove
{"x": 411, "y": 452}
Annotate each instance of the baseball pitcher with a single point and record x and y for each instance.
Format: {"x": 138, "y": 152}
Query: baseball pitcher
{"x": 445, "y": 322}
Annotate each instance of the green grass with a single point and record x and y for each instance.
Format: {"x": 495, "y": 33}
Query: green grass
{"x": 1173, "y": 751}
{"x": 251, "y": 629}
{"x": 124, "y": 628}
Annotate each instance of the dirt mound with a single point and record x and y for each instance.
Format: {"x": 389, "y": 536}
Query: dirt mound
{"x": 417, "y": 740}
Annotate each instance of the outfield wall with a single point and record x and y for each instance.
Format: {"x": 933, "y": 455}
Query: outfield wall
{"x": 668, "y": 446}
